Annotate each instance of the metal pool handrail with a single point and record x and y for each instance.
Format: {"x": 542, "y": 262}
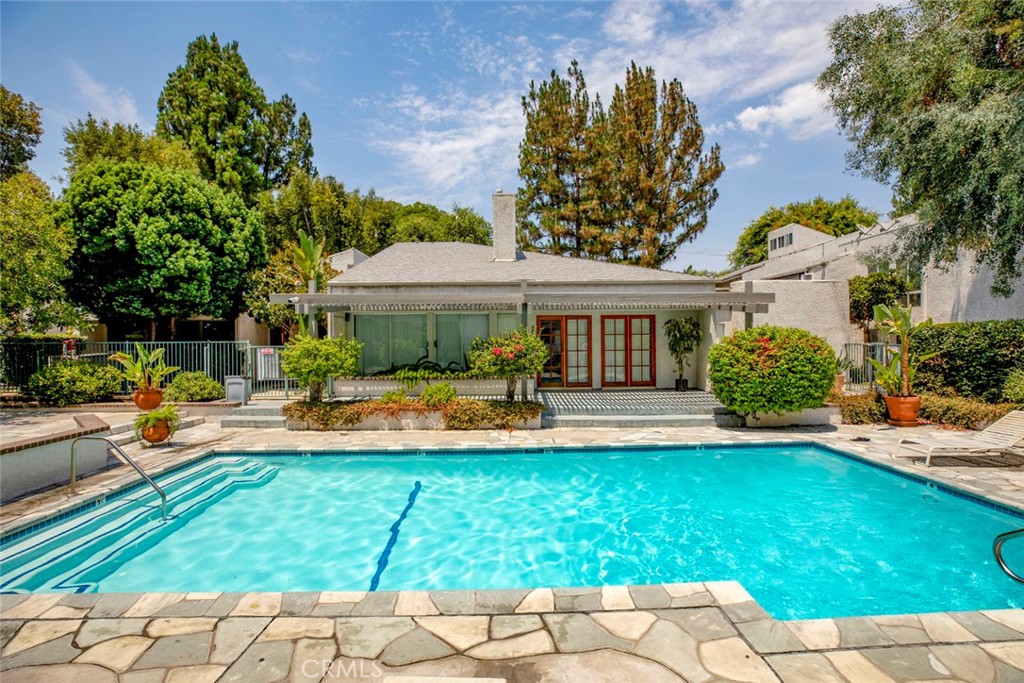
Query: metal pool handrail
{"x": 997, "y": 548}
{"x": 127, "y": 460}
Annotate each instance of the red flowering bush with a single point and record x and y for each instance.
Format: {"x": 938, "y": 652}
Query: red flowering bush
{"x": 510, "y": 356}
{"x": 771, "y": 369}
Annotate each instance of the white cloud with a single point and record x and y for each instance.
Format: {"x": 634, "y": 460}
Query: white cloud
{"x": 745, "y": 160}
{"x": 633, "y": 22}
{"x": 103, "y": 101}
{"x": 798, "y": 110}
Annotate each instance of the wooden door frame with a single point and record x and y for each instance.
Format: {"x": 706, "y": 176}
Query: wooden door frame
{"x": 629, "y": 350}
{"x": 562, "y": 339}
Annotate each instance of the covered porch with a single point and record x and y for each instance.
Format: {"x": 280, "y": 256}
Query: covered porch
{"x": 600, "y": 336}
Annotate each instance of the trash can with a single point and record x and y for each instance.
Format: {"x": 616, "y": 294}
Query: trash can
{"x": 236, "y": 389}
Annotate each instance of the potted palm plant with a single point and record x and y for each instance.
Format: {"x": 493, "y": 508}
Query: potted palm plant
{"x": 158, "y": 425}
{"x": 896, "y": 374}
{"x": 684, "y": 336}
{"x": 146, "y": 370}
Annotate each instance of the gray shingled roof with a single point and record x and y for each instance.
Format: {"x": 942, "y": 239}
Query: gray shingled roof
{"x": 437, "y": 262}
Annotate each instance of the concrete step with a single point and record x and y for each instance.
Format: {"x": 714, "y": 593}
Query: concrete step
{"x": 253, "y": 421}
{"x": 259, "y": 410}
{"x": 641, "y": 421}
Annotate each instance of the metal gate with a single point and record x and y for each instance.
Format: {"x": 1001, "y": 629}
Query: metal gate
{"x": 267, "y": 379}
{"x": 861, "y": 377}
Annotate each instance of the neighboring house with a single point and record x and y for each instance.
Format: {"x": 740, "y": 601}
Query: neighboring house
{"x": 809, "y": 272}
{"x": 602, "y": 322}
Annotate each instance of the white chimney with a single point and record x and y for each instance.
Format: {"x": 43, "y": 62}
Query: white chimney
{"x": 503, "y": 226}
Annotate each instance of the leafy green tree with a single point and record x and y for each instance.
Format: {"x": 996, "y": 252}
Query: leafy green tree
{"x": 376, "y": 219}
{"x": 33, "y": 254}
{"x": 665, "y": 180}
{"x": 20, "y": 131}
{"x": 90, "y": 140}
{"x": 277, "y": 277}
{"x": 419, "y": 222}
{"x": 510, "y": 356}
{"x": 630, "y": 184}
{"x": 240, "y": 141}
{"x": 320, "y": 206}
{"x": 830, "y": 217}
{"x": 868, "y": 291}
{"x": 929, "y": 93}
{"x": 156, "y": 242}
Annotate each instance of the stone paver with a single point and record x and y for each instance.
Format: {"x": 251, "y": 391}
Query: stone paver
{"x": 462, "y": 632}
{"x": 117, "y": 654}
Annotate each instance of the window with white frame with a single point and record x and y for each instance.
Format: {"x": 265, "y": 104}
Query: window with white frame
{"x": 390, "y": 341}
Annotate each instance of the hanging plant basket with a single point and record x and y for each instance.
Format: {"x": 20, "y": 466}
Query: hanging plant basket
{"x": 148, "y": 399}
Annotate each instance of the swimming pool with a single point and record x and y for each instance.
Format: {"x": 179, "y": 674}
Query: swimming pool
{"x": 810, "y": 532}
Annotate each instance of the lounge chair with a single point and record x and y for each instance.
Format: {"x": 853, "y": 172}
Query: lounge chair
{"x": 1004, "y": 436}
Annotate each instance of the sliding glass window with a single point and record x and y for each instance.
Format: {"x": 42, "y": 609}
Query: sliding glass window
{"x": 390, "y": 341}
{"x": 455, "y": 333}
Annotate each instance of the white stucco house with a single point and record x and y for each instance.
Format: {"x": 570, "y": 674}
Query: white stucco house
{"x": 602, "y": 322}
{"x": 809, "y": 273}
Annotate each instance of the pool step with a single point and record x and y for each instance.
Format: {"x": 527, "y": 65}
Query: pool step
{"x": 73, "y": 554}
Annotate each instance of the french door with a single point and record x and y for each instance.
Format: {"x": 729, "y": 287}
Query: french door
{"x": 568, "y": 340}
{"x": 627, "y": 351}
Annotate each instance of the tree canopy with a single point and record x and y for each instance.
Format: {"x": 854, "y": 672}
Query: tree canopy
{"x": 241, "y": 142}
{"x": 156, "y": 242}
{"x": 33, "y": 255}
{"x": 929, "y": 94}
{"x": 867, "y": 291}
{"x": 419, "y": 222}
{"x": 830, "y": 217}
{"x": 90, "y": 140}
{"x": 20, "y": 131}
{"x": 628, "y": 184}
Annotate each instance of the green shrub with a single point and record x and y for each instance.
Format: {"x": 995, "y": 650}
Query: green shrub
{"x": 509, "y": 356}
{"x": 68, "y": 382}
{"x": 1013, "y": 388}
{"x": 398, "y": 396}
{"x": 191, "y": 387}
{"x": 435, "y": 395}
{"x": 965, "y": 413}
{"x": 314, "y": 361}
{"x": 771, "y": 369}
{"x": 974, "y": 359}
{"x": 860, "y": 409}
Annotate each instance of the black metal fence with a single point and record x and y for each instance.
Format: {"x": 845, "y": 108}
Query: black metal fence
{"x": 21, "y": 358}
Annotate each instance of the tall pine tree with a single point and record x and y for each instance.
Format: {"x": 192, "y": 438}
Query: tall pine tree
{"x": 629, "y": 184}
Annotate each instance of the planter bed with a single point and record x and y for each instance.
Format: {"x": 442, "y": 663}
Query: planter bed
{"x": 461, "y": 414}
{"x": 825, "y": 415}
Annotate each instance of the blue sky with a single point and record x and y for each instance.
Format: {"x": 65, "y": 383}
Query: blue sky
{"x": 421, "y": 101}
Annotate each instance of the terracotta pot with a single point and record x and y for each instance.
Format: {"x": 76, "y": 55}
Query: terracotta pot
{"x": 838, "y": 385}
{"x": 148, "y": 399}
{"x": 156, "y": 432}
{"x": 903, "y": 410}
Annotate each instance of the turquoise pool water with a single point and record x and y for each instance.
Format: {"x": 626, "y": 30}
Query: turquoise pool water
{"x": 808, "y": 532}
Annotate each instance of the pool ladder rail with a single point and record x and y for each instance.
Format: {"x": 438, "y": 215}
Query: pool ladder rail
{"x": 997, "y": 549}
{"x": 125, "y": 458}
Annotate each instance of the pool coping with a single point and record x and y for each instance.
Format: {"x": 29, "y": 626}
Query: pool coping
{"x": 764, "y": 634}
